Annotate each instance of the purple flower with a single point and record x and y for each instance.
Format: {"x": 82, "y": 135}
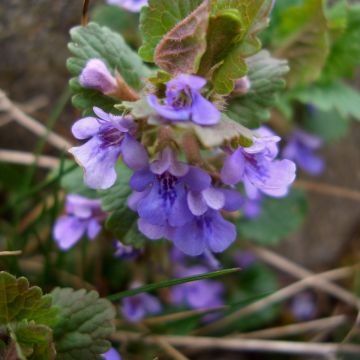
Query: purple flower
{"x": 300, "y": 148}
{"x": 108, "y": 137}
{"x": 125, "y": 252}
{"x": 184, "y": 101}
{"x": 130, "y": 5}
{"x": 303, "y": 306}
{"x": 83, "y": 216}
{"x": 200, "y": 294}
{"x": 176, "y": 201}
{"x": 96, "y": 75}
{"x": 112, "y": 354}
{"x": 244, "y": 258}
{"x": 257, "y": 168}
{"x": 135, "y": 308}
{"x": 206, "y": 232}
{"x": 161, "y": 193}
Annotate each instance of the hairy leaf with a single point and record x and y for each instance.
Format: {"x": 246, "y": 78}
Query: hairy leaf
{"x": 278, "y": 219}
{"x": 302, "y": 38}
{"x": 84, "y": 326}
{"x": 27, "y": 315}
{"x": 33, "y": 341}
{"x": 336, "y": 95}
{"x": 92, "y": 41}
{"x": 230, "y": 44}
{"x": 345, "y": 52}
{"x": 159, "y": 18}
{"x": 266, "y": 78}
{"x": 19, "y": 302}
{"x": 172, "y": 282}
{"x": 182, "y": 47}
{"x": 226, "y": 130}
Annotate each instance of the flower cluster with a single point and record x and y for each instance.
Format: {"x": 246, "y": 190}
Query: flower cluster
{"x": 186, "y": 202}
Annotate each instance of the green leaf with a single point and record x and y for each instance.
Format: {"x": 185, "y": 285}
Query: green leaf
{"x": 159, "y": 18}
{"x": 302, "y": 38}
{"x": 33, "y": 341}
{"x": 181, "y": 48}
{"x": 345, "y": 52}
{"x": 172, "y": 282}
{"x": 266, "y": 78}
{"x": 278, "y": 218}
{"x": 334, "y": 96}
{"x": 328, "y": 125}
{"x": 86, "y": 321}
{"x": 230, "y": 44}
{"x": 226, "y": 130}
{"x": 92, "y": 41}
{"x": 28, "y": 315}
{"x": 19, "y": 302}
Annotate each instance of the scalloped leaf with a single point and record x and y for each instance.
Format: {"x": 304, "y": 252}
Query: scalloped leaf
{"x": 181, "y": 49}
{"x": 27, "y": 314}
{"x": 33, "y": 341}
{"x": 93, "y": 41}
{"x": 19, "y": 301}
{"x": 226, "y": 59}
{"x": 158, "y": 18}
{"x": 266, "y": 77}
{"x": 302, "y": 38}
{"x": 86, "y": 321}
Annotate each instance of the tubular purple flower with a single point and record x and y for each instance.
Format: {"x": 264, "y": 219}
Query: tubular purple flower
{"x": 135, "y": 308}
{"x": 125, "y": 252}
{"x": 130, "y": 5}
{"x": 301, "y": 147}
{"x": 197, "y": 294}
{"x": 161, "y": 189}
{"x": 83, "y": 216}
{"x": 184, "y": 101}
{"x": 108, "y": 136}
{"x": 96, "y": 75}
{"x": 112, "y": 354}
{"x": 257, "y": 168}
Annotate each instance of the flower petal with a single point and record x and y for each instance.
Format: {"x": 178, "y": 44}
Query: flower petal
{"x": 189, "y": 239}
{"x": 221, "y": 234}
{"x": 98, "y": 163}
{"x": 233, "y": 200}
{"x": 93, "y": 229}
{"x": 203, "y": 111}
{"x": 141, "y": 179}
{"x": 153, "y": 232}
{"x": 67, "y": 231}
{"x": 134, "y": 154}
{"x": 197, "y": 179}
{"x": 85, "y": 128}
{"x": 233, "y": 169}
{"x": 214, "y": 198}
{"x": 169, "y": 112}
{"x": 196, "y": 203}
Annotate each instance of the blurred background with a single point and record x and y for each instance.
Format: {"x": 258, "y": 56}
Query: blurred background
{"x": 33, "y": 74}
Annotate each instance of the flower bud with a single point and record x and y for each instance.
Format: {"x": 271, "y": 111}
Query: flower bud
{"x": 96, "y": 75}
{"x": 242, "y": 86}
